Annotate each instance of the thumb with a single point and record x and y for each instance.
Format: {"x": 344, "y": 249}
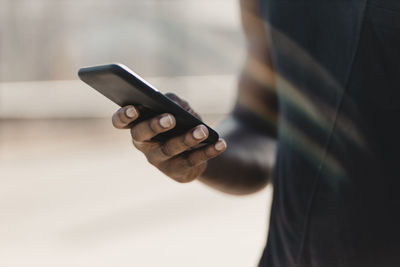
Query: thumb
{"x": 184, "y": 104}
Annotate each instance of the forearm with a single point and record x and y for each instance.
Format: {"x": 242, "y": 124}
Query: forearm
{"x": 246, "y": 166}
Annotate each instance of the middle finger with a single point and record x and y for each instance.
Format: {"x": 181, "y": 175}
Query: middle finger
{"x": 179, "y": 144}
{"x": 146, "y": 130}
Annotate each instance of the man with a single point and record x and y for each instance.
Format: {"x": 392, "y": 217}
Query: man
{"x": 320, "y": 83}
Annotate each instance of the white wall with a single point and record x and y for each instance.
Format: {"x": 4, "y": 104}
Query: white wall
{"x": 74, "y": 99}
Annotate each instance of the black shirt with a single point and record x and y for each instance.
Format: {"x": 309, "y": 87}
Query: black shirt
{"x": 337, "y": 178}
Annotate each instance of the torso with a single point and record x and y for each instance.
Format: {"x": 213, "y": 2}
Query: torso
{"x": 336, "y": 179}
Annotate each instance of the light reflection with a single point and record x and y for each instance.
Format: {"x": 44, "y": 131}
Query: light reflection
{"x": 316, "y": 109}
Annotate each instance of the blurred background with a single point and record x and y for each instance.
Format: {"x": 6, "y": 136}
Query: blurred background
{"x": 73, "y": 191}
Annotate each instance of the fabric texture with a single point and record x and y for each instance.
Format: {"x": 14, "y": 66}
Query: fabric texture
{"x": 337, "y": 179}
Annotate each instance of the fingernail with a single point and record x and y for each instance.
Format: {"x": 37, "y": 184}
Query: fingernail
{"x": 131, "y": 112}
{"x": 220, "y": 145}
{"x": 199, "y": 133}
{"x": 166, "y": 121}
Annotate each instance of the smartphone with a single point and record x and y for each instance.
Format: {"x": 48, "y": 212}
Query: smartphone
{"x": 124, "y": 87}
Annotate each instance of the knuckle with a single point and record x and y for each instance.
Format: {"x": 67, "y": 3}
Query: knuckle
{"x": 185, "y": 104}
{"x": 121, "y": 116}
{"x": 164, "y": 168}
{"x": 178, "y": 100}
{"x": 191, "y": 161}
{"x": 188, "y": 141}
{"x": 191, "y": 175}
{"x": 137, "y": 145}
{"x": 153, "y": 126}
{"x": 117, "y": 120}
{"x": 202, "y": 156}
{"x": 135, "y": 133}
{"x": 151, "y": 159}
{"x": 167, "y": 150}
{"x": 209, "y": 152}
{"x": 172, "y": 96}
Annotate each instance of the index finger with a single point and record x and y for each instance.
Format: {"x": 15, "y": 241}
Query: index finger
{"x": 125, "y": 116}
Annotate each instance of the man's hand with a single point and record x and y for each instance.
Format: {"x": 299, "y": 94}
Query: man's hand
{"x": 177, "y": 157}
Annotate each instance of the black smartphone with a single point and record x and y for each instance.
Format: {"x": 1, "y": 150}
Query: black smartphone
{"x": 124, "y": 87}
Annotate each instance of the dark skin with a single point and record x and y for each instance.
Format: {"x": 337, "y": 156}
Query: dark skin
{"x": 245, "y": 166}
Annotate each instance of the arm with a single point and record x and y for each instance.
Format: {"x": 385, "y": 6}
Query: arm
{"x": 245, "y": 167}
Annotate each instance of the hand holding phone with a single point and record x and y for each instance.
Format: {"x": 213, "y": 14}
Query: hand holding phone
{"x": 165, "y": 129}
{"x": 124, "y": 87}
